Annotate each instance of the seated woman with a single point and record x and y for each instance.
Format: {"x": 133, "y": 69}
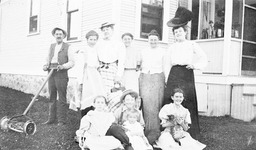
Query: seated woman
{"x": 93, "y": 129}
{"x": 130, "y": 100}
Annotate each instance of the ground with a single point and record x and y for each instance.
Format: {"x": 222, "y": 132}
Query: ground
{"x": 218, "y": 133}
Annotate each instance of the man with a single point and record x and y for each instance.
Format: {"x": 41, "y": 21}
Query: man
{"x": 61, "y": 58}
{"x": 111, "y": 54}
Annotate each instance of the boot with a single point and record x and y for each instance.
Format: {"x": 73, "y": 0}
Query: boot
{"x": 52, "y": 113}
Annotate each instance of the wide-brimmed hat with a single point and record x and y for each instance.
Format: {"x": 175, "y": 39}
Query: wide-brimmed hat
{"x": 182, "y": 17}
{"x": 106, "y": 24}
{"x": 58, "y": 28}
{"x": 126, "y": 92}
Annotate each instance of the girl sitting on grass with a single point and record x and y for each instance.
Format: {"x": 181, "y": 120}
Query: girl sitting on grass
{"x": 94, "y": 126}
{"x": 176, "y": 119}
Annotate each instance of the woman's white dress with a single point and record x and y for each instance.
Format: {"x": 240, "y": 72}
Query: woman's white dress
{"x": 166, "y": 141}
{"x": 93, "y": 127}
{"x": 90, "y": 77}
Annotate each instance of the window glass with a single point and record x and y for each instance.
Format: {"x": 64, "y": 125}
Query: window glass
{"x": 73, "y": 20}
{"x": 249, "y": 24}
{"x": 249, "y": 40}
{"x": 249, "y": 59}
{"x": 211, "y": 19}
{"x": 151, "y": 17}
{"x": 33, "y": 18}
{"x": 237, "y": 18}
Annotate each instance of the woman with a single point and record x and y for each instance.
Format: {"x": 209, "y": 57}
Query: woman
{"x": 180, "y": 60}
{"x": 151, "y": 81}
{"x": 130, "y": 77}
{"x": 89, "y": 79}
{"x": 111, "y": 54}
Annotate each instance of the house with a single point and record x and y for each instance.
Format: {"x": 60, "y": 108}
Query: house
{"x": 224, "y": 29}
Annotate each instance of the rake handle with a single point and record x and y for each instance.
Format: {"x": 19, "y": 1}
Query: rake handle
{"x": 34, "y": 98}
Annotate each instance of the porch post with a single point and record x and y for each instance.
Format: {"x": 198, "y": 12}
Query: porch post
{"x": 227, "y": 38}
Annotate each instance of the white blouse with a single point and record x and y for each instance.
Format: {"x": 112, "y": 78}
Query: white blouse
{"x": 152, "y": 60}
{"x": 110, "y": 51}
{"x": 185, "y": 53}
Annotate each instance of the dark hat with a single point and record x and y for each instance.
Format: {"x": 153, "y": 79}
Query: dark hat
{"x": 153, "y": 32}
{"x": 182, "y": 17}
{"x": 126, "y": 92}
{"x": 107, "y": 24}
{"x": 91, "y": 33}
{"x": 57, "y": 28}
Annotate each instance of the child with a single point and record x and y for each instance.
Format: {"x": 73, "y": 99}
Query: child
{"x": 181, "y": 119}
{"x": 94, "y": 126}
{"x": 135, "y": 132}
{"x": 89, "y": 79}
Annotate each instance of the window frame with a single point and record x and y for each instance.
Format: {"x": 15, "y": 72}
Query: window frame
{"x": 166, "y": 16}
{"x": 38, "y": 15}
{"x": 68, "y": 19}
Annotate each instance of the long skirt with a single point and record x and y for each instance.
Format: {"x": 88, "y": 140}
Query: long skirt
{"x": 151, "y": 89}
{"x": 181, "y": 77}
{"x": 92, "y": 87}
{"x": 108, "y": 75}
{"x": 131, "y": 80}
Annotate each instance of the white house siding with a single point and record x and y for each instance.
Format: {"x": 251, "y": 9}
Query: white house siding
{"x": 22, "y": 56}
{"x": 243, "y": 102}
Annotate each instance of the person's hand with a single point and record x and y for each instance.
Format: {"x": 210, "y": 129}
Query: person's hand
{"x": 190, "y": 67}
{"x": 60, "y": 67}
{"x": 45, "y": 67}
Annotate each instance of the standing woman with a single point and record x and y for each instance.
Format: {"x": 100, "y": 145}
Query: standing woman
{"x": 181, "y": 56}
{"x": 89, "y": 79}
{"x": 111, "y": 54}
{"x": 151, "y": 81}
{"x": 130, "y": 77}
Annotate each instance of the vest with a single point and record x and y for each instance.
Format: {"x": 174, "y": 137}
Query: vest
{"x": 62, "y": 57}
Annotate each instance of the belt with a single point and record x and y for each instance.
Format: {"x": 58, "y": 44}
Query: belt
{"x": 130, "y": 69}
{"x": 106, "y": 65}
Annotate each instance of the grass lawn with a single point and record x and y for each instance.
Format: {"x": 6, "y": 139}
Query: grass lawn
{"x": 218, "y": 133}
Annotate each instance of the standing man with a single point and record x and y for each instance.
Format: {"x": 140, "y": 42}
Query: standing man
{"x": 111, "y": 54}
{"x": 61, "y": 57}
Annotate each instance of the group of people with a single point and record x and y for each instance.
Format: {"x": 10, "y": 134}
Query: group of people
{"x": 162, "y": 79}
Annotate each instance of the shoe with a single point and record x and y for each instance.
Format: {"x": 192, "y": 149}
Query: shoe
{"x": 49, "y": 122}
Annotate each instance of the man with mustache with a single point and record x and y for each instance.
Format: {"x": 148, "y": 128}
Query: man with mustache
{"x": 60, "y": 57}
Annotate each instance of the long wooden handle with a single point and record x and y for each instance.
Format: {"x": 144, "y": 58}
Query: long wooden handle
{"x": 34, "y": 98}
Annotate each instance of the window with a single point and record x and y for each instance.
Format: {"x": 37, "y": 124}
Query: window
{"x": 73, "y": 20}
{"x": 210, "y": 21}
{"x": 237, "y": 19}
{"x": 34, "y": 16}
{"x": 151, "y": 17}
{"x": 249, "y": 39}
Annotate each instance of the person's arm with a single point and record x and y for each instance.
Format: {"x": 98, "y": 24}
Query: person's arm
{"x": 71, "y": 59}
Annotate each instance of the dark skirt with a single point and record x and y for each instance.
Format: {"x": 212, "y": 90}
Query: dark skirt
{"x": 181, "y": 77}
